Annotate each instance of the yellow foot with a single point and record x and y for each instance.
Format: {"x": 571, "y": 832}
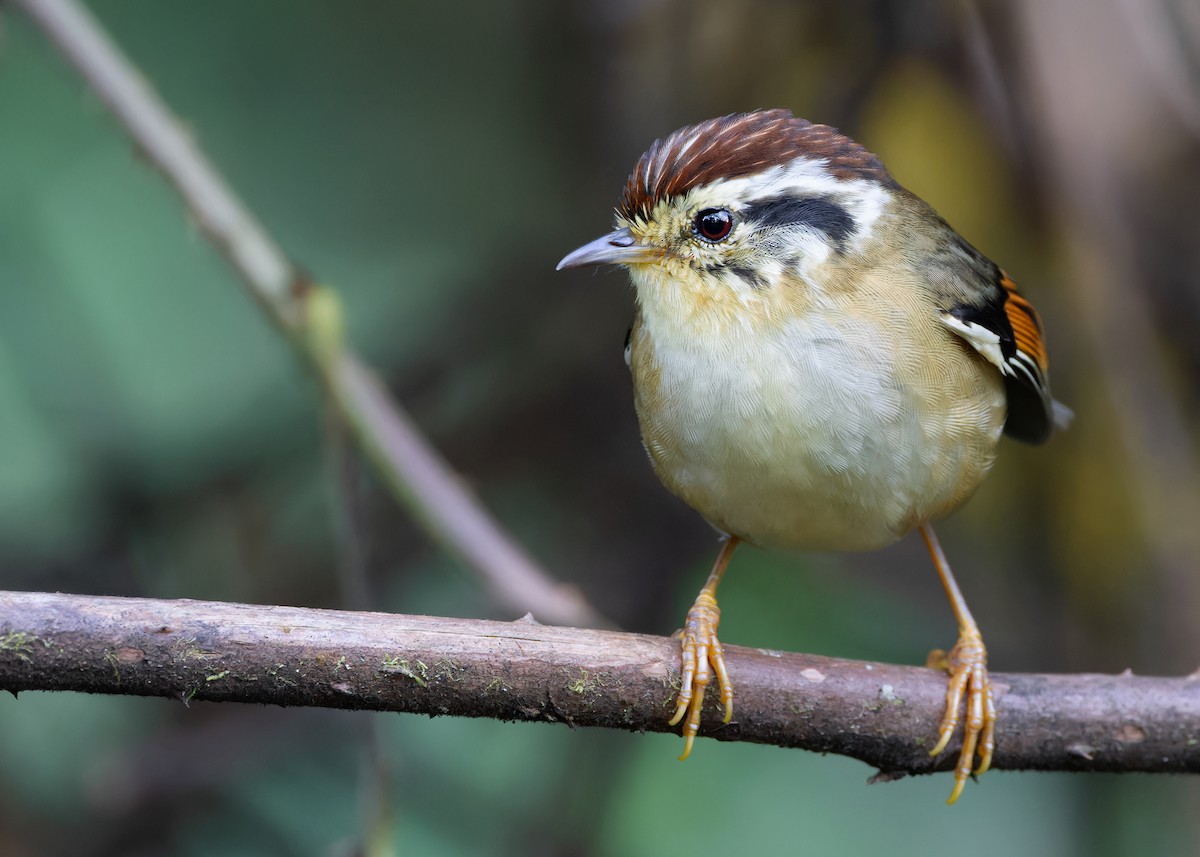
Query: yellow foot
{"x": 967, "y": 665}
{"x": 701, "y": 650}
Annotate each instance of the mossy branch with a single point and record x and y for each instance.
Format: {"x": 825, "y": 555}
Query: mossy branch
{"x": 884, "y": 715}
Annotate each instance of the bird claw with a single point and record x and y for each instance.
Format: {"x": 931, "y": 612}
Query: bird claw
{"x": 966, "y": 664}
{"x": 702, "y": 657}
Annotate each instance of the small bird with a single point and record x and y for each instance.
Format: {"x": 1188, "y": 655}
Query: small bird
{"x": 819, "y": 362}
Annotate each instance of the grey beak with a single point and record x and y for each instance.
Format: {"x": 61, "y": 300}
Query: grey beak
{"x": 618, "y": 247}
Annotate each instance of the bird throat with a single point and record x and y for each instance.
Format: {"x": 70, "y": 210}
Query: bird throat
{"x": 688, "y": 309}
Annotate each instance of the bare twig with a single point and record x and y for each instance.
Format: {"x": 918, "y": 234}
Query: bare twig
{"x": 412, "y": 469}
{"x": 882, "y": 714}
{"x": 376, "y": 825}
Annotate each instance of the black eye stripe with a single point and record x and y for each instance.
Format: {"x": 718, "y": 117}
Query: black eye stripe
{"x": 749, "y": 275}
{"x": 814, "y": 211}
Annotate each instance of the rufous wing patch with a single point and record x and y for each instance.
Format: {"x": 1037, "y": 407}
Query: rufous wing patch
{"x": 1026, "y": 323}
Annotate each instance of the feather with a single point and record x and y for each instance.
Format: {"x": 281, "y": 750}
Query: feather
{"x": 739, "y": 145}
{"x": 1007, "y": 331}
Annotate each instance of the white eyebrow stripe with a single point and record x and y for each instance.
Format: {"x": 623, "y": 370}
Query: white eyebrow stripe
{"x": 863, "y": 199}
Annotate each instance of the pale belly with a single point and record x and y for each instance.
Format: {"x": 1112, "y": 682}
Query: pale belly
{"x": 817, "y": 438}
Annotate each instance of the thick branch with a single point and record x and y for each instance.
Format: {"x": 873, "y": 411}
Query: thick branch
{"x": 416, "y": 474}
{"x": 879, "y": 713}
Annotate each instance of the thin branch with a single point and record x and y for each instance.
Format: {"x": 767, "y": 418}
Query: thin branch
{"x": 417, "y": 476}
{"x": 879, "y": 713}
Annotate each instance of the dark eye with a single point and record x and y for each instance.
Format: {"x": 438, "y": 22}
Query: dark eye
{"x": 713, "y": 224}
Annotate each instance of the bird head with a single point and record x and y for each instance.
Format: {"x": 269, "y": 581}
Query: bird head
{"x": 732, "y": 207}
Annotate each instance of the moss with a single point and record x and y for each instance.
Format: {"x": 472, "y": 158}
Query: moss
{"x": 448, "y": 670}
{"x": 187, "y": 649}
{"x": 587, "y": 682}
{"x": 111, "y": 657}
{"x": 395, "y": 665}
{"x": 20, "y": 644}
{"x": 279, "y": 679}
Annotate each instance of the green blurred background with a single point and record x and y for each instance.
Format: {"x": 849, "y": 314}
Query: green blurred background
{"x": 433, "y": 162}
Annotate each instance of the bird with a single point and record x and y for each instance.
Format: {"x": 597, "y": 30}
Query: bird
{"x": 819, "y": 362}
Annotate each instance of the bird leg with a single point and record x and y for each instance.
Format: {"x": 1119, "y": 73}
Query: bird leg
{"x": 701, "y": 649}
{"x": 966, "y": 664}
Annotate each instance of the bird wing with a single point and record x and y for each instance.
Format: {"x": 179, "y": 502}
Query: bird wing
{"x": 999, "y": 323}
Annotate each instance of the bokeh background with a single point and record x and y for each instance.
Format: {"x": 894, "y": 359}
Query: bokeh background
{"x": 433, "y": 162}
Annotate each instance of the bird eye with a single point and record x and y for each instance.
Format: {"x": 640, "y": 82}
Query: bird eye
{"x": 713, "y": 224}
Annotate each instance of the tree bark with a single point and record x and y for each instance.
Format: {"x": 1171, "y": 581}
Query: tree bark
{"x": 883, "y": 714}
